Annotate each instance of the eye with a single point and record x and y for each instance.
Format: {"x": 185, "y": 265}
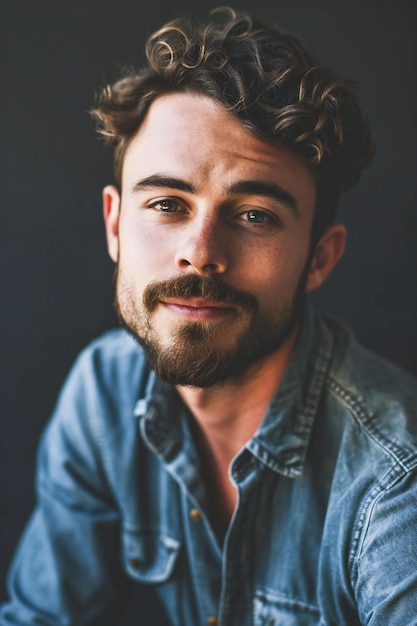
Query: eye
{"x": 257, "y": 217}
{"x": 166, "y": 206}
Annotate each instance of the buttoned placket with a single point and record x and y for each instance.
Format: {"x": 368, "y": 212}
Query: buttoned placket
{"x": 203, "y": 553}
{"x": 224, "y": 598}
{"x": 220, "y": 578}
{"x": 236, "y": 590}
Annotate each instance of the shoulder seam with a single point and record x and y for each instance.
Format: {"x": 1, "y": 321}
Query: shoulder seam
{"x": 357, "y": 408}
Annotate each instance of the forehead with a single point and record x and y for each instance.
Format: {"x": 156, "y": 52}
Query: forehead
{"x": 194, "y": 137}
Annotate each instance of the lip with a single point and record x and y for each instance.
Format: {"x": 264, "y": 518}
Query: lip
{"x": 196, "y": 309}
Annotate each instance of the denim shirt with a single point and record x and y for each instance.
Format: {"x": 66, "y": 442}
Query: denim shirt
{"x": 325, "y": 529}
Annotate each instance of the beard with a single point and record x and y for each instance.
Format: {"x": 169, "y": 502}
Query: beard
{"x": 204, "y": 354}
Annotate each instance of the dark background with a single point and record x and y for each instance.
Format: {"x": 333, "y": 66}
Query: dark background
{"x": 56, "y": 279}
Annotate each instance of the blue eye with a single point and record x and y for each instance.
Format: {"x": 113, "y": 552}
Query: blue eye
{"x": 256, "y": 217}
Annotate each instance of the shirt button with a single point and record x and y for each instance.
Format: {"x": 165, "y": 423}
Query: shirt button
{"x": 196, "y": 515}
{"x": 212, "y": 621}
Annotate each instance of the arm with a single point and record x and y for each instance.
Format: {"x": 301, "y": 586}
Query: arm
{"x": 67, "y": 569}
{"x": 386, "y": 584}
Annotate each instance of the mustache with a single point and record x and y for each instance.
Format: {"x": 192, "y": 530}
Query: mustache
{"x": 209, "y": 287}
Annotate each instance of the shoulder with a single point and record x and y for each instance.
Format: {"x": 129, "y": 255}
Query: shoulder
{"x": 113, "y": 346}
{"x": 114, "y": 358}
{"x": 105, "y": 382}
{"x": 370, "y": 409}
{"x": 94, "y": 415}
{"x": 377, "y": 394}
{"x": 355, "y": 364}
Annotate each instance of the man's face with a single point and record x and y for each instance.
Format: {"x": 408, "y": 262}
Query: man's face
{"x": 212, "y": 240}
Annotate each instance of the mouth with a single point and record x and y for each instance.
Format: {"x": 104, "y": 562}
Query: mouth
{"x": 197, "y": 309}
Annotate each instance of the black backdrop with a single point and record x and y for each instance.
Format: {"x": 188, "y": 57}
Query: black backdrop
{"x": 56, "y": 283}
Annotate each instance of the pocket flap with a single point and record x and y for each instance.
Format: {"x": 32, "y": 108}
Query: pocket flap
{"x": 149, "y": 556}
{"x": 274, "y": 609}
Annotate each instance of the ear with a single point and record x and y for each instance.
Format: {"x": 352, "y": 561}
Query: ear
{"x": 111, "y": 211}
{"x": 328, "y": 251}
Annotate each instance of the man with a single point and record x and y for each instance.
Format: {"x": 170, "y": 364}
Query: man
{"x": 248, "y": 460}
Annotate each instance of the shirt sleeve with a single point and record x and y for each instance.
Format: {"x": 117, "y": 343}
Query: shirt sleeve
{"x": 67, "y": 569}
{"x": 386, "y": 586}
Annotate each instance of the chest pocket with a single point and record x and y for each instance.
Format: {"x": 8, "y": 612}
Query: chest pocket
{"x": 149, "y": 557}
{"x": 272, "y": 609}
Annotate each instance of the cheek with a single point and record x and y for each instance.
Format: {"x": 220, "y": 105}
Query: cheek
{"x": 144, "y": 253}
{"x": 273, "y": 272}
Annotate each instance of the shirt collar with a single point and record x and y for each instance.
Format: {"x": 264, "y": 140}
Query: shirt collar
{"x": 281, "y": 441}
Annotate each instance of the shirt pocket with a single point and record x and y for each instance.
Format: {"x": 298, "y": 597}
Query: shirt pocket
{"x": 275, "y": 609}
{"x": 149, "y": 556}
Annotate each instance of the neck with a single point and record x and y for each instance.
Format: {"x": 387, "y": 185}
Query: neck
{"x": 226, "y": 417}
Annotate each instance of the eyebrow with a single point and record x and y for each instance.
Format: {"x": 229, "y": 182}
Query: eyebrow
{"x": 272, "y": 191}
{"x": 267, "y": 190}
{"x": 158, "y": 180}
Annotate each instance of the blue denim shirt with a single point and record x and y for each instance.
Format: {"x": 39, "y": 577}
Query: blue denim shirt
{"x": 325, "y": 530}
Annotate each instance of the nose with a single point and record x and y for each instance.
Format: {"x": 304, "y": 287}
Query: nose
{"x": 203, "y": 248}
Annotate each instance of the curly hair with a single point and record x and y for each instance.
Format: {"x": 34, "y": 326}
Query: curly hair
{"x": 263, "y": 76}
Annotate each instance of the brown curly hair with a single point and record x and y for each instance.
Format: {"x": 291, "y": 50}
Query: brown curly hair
{"x": 265, "y": 78}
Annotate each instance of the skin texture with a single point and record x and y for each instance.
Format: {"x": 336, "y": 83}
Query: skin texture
{"x": 204, "y": 219}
